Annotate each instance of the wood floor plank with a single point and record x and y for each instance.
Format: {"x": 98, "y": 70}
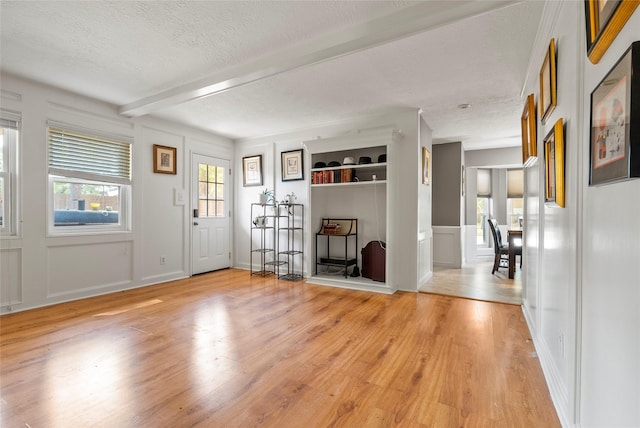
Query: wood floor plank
{"x": 227, "y": 349}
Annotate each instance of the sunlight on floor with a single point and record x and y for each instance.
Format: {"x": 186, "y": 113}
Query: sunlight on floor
{"x": 129, "y": 308}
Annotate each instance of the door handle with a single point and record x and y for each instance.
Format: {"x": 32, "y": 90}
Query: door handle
{"x": 195, "y": 223}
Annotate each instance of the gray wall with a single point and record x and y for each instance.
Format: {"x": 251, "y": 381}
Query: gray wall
{"x": 493, "y": 158}
{"x": 471, "y": 194}
{"x": 446, "y": 163}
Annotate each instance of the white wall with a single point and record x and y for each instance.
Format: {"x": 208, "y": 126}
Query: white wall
{"x": 610, "y": 272}
{"x": 581, "y": 288}
{"x": 425, "y": 232}
{"x": 550, "y": 243}
{"x": 38, "y": 270}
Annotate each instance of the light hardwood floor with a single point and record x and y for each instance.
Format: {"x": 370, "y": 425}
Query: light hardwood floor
{"x": 229, "y": 350}
{"x": 475, "y": 281}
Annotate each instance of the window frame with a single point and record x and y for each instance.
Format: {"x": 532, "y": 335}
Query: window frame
{"x": 486, "y": 236}
{"x": 9, "y": 172}
{"x": 124, "y": 224}
{"x": 88, "y": 229}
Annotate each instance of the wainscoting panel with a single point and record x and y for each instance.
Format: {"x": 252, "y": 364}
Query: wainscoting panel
{"x": 447, "y": 247}
{"x": 10, "y": 276}
{"x": 75, "y": 270}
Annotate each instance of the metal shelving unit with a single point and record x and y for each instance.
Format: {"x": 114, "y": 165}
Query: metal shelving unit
{"x": 263, "y": 240}
{"x": 290, "y": 225}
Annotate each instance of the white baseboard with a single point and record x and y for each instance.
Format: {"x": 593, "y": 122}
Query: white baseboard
{"x": 557, "y": 389}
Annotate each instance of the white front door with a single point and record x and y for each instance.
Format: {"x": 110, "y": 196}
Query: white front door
{"x": 210, "y": 205}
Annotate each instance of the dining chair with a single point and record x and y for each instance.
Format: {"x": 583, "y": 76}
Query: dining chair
{"x": 501, "y": 251}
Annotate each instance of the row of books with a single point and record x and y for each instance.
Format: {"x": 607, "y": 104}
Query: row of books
{"x": 333, "y": 176}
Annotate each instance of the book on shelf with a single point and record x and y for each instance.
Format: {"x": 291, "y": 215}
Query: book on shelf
{"x": 333, "y": 176}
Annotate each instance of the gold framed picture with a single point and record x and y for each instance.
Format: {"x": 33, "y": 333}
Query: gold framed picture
{"x": 554, "y": 165}
{"x": 605, "y": 19}
{"x": 164, "y": 159}
{"x": 548, "y": 92}
{"x": 426, "y": 166}
{"x": 528, "y": 122}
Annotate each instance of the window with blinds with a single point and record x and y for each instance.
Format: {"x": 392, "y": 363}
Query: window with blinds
{"x": 81, "y": 156}
{"x": 484, "y": 183}
{"x": 515, "y": 201}
{"x": 8, "y": 180}
{"x": 90, "y": 180}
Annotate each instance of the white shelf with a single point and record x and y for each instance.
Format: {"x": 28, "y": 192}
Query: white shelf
{"x": 358, "y": 283}
{"x": 351, "y": 183}
{"x": 361, "y": 166}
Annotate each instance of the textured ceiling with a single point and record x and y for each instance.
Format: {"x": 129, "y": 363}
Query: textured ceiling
{"x": 246, "y": 69}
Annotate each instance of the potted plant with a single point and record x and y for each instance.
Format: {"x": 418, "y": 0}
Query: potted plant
{"x": 267, "y": 197}
{"x": 288, "y": 200}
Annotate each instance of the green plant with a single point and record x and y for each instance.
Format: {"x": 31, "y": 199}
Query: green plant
{"x": 267, "y": 196}
{"x": 289, "y": 198}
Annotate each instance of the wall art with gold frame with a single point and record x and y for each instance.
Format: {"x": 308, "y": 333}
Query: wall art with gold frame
{"x": 529, "y": 125}
{"x": 548, "y": 90}
{"x": 426, "y": 166}
{"x": 164, "y": 159}
{"x": 605, "y": 19}
{"x": 554, "y": 166}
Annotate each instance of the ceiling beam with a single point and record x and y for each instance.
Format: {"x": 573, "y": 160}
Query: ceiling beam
{"x": 412, "y": 20}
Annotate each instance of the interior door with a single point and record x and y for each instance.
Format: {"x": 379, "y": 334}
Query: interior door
{"x": 210, "y": 206}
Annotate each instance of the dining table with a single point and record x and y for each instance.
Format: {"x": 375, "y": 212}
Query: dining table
{"x": 513, "y": 235}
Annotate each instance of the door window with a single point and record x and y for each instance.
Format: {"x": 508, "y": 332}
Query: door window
{"x": 211, "y": 190}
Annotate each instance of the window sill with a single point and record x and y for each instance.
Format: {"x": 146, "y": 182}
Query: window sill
{"x": 88, "y": 238}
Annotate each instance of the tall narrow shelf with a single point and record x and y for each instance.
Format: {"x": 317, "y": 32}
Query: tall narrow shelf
{"x": 263, "y": 240}
{"x": 290, "y": 225}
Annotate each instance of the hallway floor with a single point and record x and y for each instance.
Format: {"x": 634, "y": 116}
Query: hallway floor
{"x": 476, "y": 282}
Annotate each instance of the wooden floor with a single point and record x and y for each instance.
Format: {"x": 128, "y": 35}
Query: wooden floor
{"x": 228, "y": 350}
{"x": 475, "y": 281}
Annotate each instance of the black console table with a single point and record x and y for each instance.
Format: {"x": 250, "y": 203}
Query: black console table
{"x": 342, "y": 228}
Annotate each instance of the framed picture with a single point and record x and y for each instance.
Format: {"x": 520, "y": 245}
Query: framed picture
{"x": 164, "y": 159}
{"x": 548, "y": 83}
{"x": 554, "y": 165}
{"x": 605, "y": 19}
{"x": 252, "y": 171}
{"x": 426, "y": 166}
{"x": 292, "y": 166}
{"x": 528, "y": 122}
{"x": 615, "y": 122}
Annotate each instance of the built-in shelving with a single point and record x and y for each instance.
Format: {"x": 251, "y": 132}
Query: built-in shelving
{"x": 365, "y": 197}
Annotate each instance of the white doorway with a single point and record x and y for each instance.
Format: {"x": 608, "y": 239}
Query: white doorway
{"x": 210, "y": 208}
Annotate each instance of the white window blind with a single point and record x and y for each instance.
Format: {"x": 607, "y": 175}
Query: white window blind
{"x": 96, "y": 158}
{"x": 484, "y": 183}
{"x": 8, "y": 123}
{"x": 515, "y": 183}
